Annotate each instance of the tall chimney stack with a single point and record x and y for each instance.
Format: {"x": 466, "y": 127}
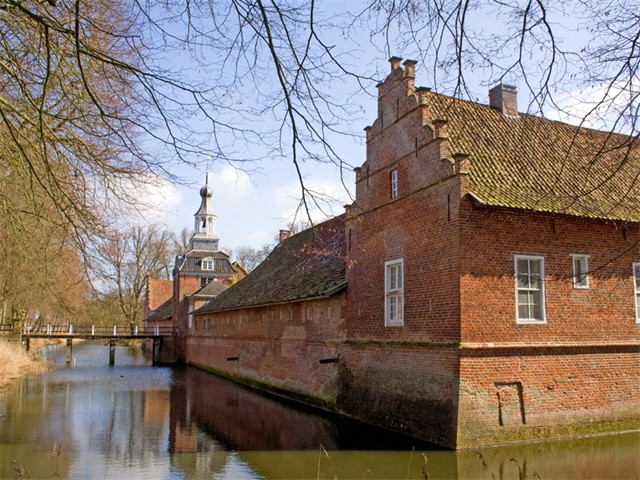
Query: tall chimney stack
{"x": 504, "y": 98}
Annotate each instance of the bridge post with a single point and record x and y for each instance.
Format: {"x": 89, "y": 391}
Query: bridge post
{"x": 69, "y": 349}
{"x": 112, "y": 351}
{"x": 157, "y": 346}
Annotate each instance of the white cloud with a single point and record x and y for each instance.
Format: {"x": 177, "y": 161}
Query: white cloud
{"x": 603, "y": 107}
{"x": 145, "y": 199}
{"x": 326, "y": 198}
{"x": 230, "y": 182}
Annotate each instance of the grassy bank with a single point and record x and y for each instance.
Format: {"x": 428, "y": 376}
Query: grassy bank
{"x": 16, "y": 363}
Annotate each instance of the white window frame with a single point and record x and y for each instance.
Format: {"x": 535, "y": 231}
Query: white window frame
{"x": 394, "y": 293}
{"x": 207, "y": 264}
{"x": 584, "y": 282}
{"x": 394, "y": 183}
{"x": 636, "y": 288}
{"x": 519, "y": 289}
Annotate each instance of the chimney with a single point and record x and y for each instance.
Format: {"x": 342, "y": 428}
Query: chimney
{"x": 395, "y": 63}
{"x": 410, "y": 68}
{"x": 284, "y": 234}
{"x": 504, "y": 98}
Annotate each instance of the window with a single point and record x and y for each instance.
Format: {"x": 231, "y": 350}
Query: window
{"x": 636, "y": 289}
{"x": 580, "y": 271}
{"x": 529, "y": 280}
{"x": 207, "y": 264}
{"x": 204, "y": 281}
{"x": 394, "y": 293}
{"x": 394, "y": 183}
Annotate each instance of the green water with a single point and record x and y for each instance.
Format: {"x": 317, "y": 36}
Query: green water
{"x": 133, "y": 421}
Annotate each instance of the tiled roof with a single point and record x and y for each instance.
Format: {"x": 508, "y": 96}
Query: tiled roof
{"x": 533, "y": 163}
{"x": 191, "y": 262}
{"x": 306, "y": 265}
{"x": 212, "y": 289}
{"x": 164, "y": 312}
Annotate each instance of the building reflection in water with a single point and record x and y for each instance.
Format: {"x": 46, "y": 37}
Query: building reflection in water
{"x": 233, "y": 417}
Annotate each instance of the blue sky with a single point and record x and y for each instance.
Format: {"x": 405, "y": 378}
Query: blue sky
{"x": 251, "y": 208}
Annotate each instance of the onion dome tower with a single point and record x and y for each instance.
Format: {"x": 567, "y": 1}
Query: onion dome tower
{"x": 204, "y": 237}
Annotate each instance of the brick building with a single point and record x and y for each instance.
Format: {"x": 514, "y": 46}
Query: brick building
{"x": 199, "y": 275}
{"x": 483, "y": 288}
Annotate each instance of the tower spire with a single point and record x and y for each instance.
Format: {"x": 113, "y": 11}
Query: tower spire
{"x": 204, "y": 237}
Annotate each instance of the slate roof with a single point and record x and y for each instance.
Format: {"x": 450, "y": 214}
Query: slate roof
{"x": 307, "y": 265}
{"x": 190, "y": 262}
{"x": 532, "y": 163}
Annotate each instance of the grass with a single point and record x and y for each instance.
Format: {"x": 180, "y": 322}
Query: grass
{"x": 16, "y": 363}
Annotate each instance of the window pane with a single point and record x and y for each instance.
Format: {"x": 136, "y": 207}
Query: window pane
{"x": 392, "y": 277}
{"x": 392, "y": 308}
{"x": 535, "y": 267}
{"x": 523, "y": 298}
{"x": 535, "y": 282}
{"x": 537, "y": 308}
{"x": 636, "y": 274}
{"x": 523, "y": 281}
{"x": 523, "y": 266}
{"x": 523, "y": 312}
{"x": 578, "y": 266}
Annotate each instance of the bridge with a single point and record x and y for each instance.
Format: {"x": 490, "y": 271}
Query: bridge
{"x": 97, "y": 332}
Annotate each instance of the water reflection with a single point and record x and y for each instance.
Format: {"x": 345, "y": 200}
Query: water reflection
{"x": 137, "y": 421}
{"x": 240, "y": 419}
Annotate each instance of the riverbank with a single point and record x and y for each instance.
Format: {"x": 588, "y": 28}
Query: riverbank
{"x": 16, "y": 363}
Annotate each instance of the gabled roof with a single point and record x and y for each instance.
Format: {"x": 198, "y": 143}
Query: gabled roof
{"x": 533, "y": 163}
{"x": 307, "y": 265}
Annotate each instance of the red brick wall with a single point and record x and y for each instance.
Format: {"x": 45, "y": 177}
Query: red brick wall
{"x": 578, "y": 373}
{"x": 406, "y": 387}
{"x": 563, "y": 392}
{"x": 419, "y": 226}
{"x": 602, "y": 313}
{"x": 279, "y": 347}
{"x": 158, "y": 292}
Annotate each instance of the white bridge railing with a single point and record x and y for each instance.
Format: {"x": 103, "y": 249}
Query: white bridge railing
{"x": 97, "y": 331}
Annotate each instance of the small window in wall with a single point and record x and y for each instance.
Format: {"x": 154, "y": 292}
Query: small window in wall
{"x": 394, "y": 183}
{"x": 394, "y": 293}
{"x": 204, "y": 281}
{"x": 636, "y": 289}
{"x": 580, "y": 269}
{"x": 529, "y": 279}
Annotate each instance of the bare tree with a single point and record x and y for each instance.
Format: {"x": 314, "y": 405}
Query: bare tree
{"x": 555, "y": 49}
{"x": 250, "y": 257}
{"x": 91, "y": 100}
{"x": 126, "y": 259}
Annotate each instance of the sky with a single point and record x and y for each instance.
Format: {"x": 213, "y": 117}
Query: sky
{"x": 252, "y": 208}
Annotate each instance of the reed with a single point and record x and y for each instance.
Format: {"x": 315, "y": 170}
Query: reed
{"x": 16, "y": 363}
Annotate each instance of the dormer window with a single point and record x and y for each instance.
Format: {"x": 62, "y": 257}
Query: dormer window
{"x": 207, "y": 264}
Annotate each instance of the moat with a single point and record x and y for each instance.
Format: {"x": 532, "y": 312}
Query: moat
{"x": 132, "y": 420}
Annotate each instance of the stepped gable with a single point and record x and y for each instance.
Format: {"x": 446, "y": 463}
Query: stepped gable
{"x": 307, "y": 265}
{"x": 527, "y": 162}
